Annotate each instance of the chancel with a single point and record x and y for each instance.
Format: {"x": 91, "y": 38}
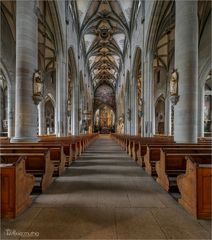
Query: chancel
{"x": 105, "y": 119}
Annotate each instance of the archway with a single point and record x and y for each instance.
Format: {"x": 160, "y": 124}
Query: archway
{"x": 160, "y": 116}
{"x": 49, "y": 117}
{"x": 104, "y": 119}
{"x": 104, "y": 105}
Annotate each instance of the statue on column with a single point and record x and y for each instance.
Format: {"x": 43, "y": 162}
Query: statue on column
{"x": 174, "y": 83}
{"x": 173, "y": 87}
{"x": 37, "y": 87}
{"x": 38, "y": 83}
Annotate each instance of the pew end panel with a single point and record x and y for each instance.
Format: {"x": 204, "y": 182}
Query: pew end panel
{"x": 16, "y": 186}
{"x": 195, "y": 186}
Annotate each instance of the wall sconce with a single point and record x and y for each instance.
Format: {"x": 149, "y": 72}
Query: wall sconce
{"x": 173, "y": 87}
{"x": 37, "y": 87}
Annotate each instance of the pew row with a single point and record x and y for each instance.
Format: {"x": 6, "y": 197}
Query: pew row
{"x": 195, "y": 186}
{"x": 153, "y": 154}
{"x": 135, "y": 146}
{"x": 16, "y": 186}
{"x": 172, "y": 163}
{"x": 57, "y": 155}
{"x": 37, "y": 164}
{"x": 73, "y": 145}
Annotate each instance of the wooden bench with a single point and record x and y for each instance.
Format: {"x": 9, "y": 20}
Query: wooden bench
{"x": 195, "y": 186}
{"x": 67, "y": 149}
{"x": 4, "y": 140}
{"x": 37, "y": 164}
{"x": 205, "y": 140}
{"x": 56, "y": 152}
{"x": 73, "y": 145}
{"x": 135, "y": 145}
{"x": 16, "y": 186}
{"x": 153, "y": 154}
{"x": 172, "y": 163}
{"x": 142, "y": 147}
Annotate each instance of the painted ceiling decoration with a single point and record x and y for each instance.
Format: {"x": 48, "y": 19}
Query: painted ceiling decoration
{"x": 104, "y": 31}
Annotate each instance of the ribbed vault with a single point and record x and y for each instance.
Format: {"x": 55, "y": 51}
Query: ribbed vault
{"x": 104, "y": 32}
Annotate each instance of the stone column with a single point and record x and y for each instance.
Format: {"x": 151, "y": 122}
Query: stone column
{"x": 134, "y": 107}
{"x": 148, "y": 95}
{"x": 75, "y": 109}
{"x": 11, "y": 112}
{"x": 41, "y": 118}
{"x": 186, "y": 63}
{"x": 26, "y": 64}
{"x": 201, "y": 111}
{"x": 61, "y": 86}
{"x": 125, "y": 113}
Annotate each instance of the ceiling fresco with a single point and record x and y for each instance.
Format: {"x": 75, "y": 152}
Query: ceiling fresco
{"x": 104, "y": 31}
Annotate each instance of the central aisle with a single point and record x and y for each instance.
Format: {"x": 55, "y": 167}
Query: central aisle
{"x": 105, "y": 195}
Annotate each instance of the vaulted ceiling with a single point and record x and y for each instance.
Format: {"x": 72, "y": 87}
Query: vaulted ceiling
{"x": 104, "y": 32}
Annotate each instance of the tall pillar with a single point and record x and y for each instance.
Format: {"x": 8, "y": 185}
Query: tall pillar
{"x": 148, "y": 95}
{"x": 41, "y": 118}
{"x": 134, "y": 107}
{"x": 75, "y": 109}
{"x": 11, "y": 112}
{"x": 201, "y": 112}
{"x": 26, "y": 64}
{"x": 125, "y": 113}
{"x": 61, "y": 96}
{"x": 186, "y": 63}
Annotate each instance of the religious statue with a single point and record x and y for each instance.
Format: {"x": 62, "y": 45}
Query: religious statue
{"x": 97, "y": 119}
{"x": 69, "y": 107}
{"x": 120, "y": 127}
{"x": 140, "y": 107}
{"x": 173, "y": 87}
{"x": 38, "y": 83}
{"x": 37, "y": 87}
{"x": 174, "y": 83}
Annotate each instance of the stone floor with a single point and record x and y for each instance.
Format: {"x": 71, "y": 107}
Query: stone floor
{"x": 105, "y": 195}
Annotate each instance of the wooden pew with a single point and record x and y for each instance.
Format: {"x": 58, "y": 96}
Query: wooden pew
{"x": 37, "y": 164}
{"x": 73, "y": 146}
{"x": 142, "y": 147}
{"x": 135, "y": 145}
{"x": 153, "y": 154}
{"x": 67, "y": 149}
{"x": 56, "y": 152}
{"x": 16, "y": 186}
{"x": 205, "y": 140}
{"x": 195, "y": 186}
{"x": 172, "y": 163}
{"x": 4, "y": 140}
